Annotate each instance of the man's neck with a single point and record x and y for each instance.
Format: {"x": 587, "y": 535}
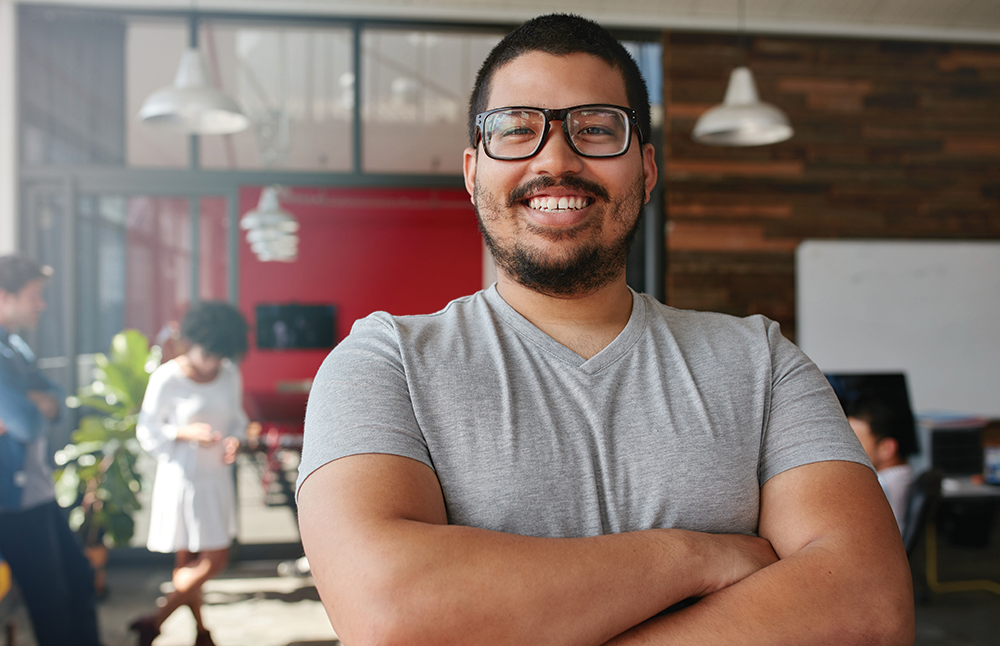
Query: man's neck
{"x": 584, "y": 323}
{"x": 895, "y": 461}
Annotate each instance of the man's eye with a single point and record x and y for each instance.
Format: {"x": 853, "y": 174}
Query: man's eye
{"x": 596, "y": 131}
{"x": 516, "y": 131}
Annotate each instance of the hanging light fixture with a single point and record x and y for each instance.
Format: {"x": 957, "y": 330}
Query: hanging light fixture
{"x": 191, "y": 104}
{"x": 271, "y": 231}
{"x": 742, "y": 119}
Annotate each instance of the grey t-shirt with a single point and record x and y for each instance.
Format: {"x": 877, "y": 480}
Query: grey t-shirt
{"x": 677, "y": 423}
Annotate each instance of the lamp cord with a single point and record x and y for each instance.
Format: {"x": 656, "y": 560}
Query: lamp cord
{"x": 741, "y": 23}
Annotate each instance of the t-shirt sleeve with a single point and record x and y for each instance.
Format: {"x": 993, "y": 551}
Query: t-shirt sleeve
{"x": 805, "y": 422}
{"x": 360, "y": 401}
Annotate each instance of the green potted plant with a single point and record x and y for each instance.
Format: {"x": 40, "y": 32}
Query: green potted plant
{"x": 96, "y": 475}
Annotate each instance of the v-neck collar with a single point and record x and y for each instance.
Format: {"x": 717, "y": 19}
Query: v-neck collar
{"x": 610, "y": 354}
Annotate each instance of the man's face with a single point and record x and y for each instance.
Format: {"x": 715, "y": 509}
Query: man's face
{"x": 21, "y": 310}
{"x": 864, "y": 432}
{"x": 580, "y": 244}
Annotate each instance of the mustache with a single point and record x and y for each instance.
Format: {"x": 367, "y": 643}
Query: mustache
{"x": 570, "y": 181}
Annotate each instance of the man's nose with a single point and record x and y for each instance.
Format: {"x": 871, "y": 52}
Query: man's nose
{"x": 556, "y": 156}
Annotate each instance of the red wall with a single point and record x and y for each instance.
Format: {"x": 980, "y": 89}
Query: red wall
{"x": 404, "y": 251}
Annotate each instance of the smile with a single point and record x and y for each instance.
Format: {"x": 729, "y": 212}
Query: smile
{"x": 564, "y": 203}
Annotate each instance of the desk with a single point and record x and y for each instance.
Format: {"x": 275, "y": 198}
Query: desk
{"x": 956, "y": 489}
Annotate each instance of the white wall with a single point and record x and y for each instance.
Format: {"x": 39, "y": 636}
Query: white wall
{"x": 930, "y": 309}
{"x": 8, "y": 128}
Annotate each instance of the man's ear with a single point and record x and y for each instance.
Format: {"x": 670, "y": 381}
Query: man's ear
{"x": 469, "y": 159}
{"x": 887, "y": 449}
{"x": 649, "y": 167}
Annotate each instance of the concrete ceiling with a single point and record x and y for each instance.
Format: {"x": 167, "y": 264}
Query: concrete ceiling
{"x": 949, "y": 20}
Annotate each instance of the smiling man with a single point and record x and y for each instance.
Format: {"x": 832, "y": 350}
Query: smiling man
{"x": 560, "y": 460}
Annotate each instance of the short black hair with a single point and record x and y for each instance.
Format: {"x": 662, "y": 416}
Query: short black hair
{"x": 216, "y": 326}
{"x": 885, "y": 420}
{"x": 16, "y": 271}
{"x": 562, "y": 34}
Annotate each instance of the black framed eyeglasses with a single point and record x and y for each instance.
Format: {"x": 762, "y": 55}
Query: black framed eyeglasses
{"x": 592, "y": 130}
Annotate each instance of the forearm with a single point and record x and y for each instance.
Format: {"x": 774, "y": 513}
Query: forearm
{"x": 411, "y": 578}
{"x": 22, "y": 418}
{"x": 811, "y": 597}
{"x": 443, "y": 584}
{"x": 413, "y": 583}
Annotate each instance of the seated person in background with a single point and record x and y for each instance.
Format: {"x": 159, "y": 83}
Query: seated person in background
{"x": 888, "y": 445}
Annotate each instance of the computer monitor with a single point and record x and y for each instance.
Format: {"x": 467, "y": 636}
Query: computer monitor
{"x": 890, "y": 391}
{"x": 295, "y": 326}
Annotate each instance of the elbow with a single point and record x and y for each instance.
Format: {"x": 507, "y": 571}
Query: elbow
{"x": 890, "y": 619}
{"x": 899, "y": 622}
{"x": 872, "y": 628}
{"x": 383, "y": 610}
{"x": 382, "y": 631}
{"x": 899, "y": 627}
{"x": 899, "y": 630}
{"x": 387, "y": 626}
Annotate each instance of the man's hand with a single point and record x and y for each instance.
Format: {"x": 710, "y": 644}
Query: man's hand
{"x": 45, "y": 402}
{"x": 732, "y": 558}
{"x": 199, "y": 432}
{"x": 3, "y": 429}
{"x": 842, "y": 577}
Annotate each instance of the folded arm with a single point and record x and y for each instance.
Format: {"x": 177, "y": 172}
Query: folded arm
{"x": 843, "y": 577}
{"x": 391, "y": 570}
{"x": 22, "y": 418}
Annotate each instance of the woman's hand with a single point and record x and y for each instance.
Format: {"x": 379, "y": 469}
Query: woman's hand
{"x": 199, "y": 432}
{"x": 231, "y": 446}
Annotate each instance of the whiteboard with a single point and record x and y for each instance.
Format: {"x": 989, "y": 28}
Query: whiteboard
{"x": 930, "y": 309}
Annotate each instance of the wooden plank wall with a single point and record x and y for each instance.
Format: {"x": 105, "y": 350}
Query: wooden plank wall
{"x": 892, "y": 140}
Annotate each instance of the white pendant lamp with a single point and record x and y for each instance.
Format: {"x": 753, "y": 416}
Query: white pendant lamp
{"x": 271, "y": 231}
{"x": 742, "y": 119}
{"x": 191, "y": 104}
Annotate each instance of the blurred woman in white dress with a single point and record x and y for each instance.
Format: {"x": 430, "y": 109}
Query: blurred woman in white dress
{"x": 192, "y": 420}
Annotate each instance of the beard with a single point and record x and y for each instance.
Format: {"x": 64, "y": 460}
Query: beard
{"x": 580, "y": 270}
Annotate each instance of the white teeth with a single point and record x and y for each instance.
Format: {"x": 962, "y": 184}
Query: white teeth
{"x": 557, "y": 203}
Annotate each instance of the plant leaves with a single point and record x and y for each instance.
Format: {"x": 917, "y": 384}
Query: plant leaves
{"x": 100, "y": 461}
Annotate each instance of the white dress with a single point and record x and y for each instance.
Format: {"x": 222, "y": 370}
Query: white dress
{"x": 193, "y": 503}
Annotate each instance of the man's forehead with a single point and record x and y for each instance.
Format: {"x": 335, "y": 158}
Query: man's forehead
{"x": 544, "y": 80}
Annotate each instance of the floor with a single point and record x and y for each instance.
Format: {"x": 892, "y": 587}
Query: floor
{"x": 248, "y": 605}
{"x": 959, "y": 618}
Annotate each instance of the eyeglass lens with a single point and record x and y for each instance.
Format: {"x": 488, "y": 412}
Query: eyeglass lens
{"x": 592, "y": 131}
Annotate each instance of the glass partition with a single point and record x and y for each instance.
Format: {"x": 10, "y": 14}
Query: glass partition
{"x": 295, "y": 84}
{"x": 153, "y": 48}
{"x": 71, "y": 88}
{"x": 136, "y": 263}
{"x": 415, "y": 98}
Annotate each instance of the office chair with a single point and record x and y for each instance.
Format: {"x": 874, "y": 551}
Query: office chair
{"x": 922, "y": 503}
{"x": 925, "y": 494}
